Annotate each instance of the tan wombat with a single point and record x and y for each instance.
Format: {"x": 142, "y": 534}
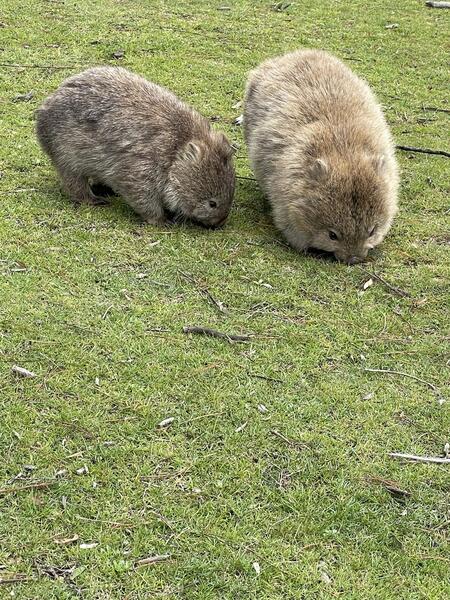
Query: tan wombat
{"x": 109, "y": 126}
{"x": 322, "y": 153}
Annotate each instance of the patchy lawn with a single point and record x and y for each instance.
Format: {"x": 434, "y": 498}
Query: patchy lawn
{"x": 268, "y": 484}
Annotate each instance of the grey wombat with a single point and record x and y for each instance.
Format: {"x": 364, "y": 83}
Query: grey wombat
{"x": 110, "y": 126}
{"x": 322, "y": 152}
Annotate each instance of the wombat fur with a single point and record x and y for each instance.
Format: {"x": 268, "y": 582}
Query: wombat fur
{"x": 109, "y": 126}
{"x": 322, "y": 153}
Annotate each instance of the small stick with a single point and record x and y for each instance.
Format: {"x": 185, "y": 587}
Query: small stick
{"x": 394, "y": 289}
{"x": 151, "y": 560}
{"x": 15, "y": 579}
{"x": 37, "y": 485}
{"x": 204, "y": 290}
{"x": 436, "y": 109}
{"x": 433, "y": 4}
{"x": 218, "y": 334}
{"x": 424, "y": 459}
{"x": 430, "y": 385}
{"x": 265, "y": 378}
{"x": 292, "y": 443}
{"x": 19, "y": 66}
{"x": 391, "y": 486}
{"x": 243, "y": 177}
{"x": 424, "y": 150}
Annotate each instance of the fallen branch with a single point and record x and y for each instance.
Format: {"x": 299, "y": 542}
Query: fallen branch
{"x": 217, "y": 334}
{"x": 424, "y": 459}
{"x": 151, "y": 560}
{"x": 430, "y": 385}
{"x": 391, "y": 287}
{"x": 433, "y": 4}
{"x": 424, "y": 150}
{"x": 37, "y": 485}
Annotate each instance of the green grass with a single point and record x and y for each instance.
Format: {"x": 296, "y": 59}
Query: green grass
{"x": 111, "y": 360}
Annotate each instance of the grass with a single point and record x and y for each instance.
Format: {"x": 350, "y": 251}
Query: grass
{"x": 95, "y": 307}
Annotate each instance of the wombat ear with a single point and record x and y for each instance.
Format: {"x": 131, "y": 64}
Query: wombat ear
{"x": 319, "y": 168}
{"x": 191, "y": 152}
{"x": 227, "y": 150}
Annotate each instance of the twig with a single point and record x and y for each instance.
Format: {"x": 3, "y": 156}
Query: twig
{"x": 243, "y": 177}
{"x": 37, "y": 485}
{"x": 204, "y": 290}
{"x": 15, "y": 579}
{"x": 292, "y": 443}
{"x": 424, "y": 459}
{"x": 430, "y": 385}
{"x": 218, "y": 334}
{"x": 151, "y": 560}
{"x": 265, "y": 378}
{"x": 22, "y": 66}
{"x": 433, "y": 4}
{"x": 394, "y": 289}
{"x": 436, "y": 109}
{"x": 424, "y": 150}
{"x": 391, "y": 486}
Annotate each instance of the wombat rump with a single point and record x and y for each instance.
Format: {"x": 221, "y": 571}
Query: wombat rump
{"x": 109, "y": 126}
{"x": 322, "y": 153}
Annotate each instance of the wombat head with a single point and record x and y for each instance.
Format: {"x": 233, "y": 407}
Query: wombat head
{"x": 347, "y": 206}
{"x": 202, "y": 180}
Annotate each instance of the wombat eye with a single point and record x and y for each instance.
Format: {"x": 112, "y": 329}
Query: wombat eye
{"x": 332, "y": 235}
{"x": 372, "y": 232}
{"x": 213, "y": 204}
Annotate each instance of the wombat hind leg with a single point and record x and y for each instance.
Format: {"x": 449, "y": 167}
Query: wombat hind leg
{"x": 78, "y": 188}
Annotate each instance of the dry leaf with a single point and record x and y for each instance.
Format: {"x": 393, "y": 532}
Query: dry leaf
{"x": 241, "y": 427}
{"x": 65, "y": 541}
{"x": 368, "y": 396}
{"x": 22, "y": 372}
{"x": 166, "y": 422}
{"x": 88, "y": 546}
{"x": 257, "y": 568}
{"x": 82, "y": 471}
{"x": 391, "y": 26}
{"x": 367, "y": 284}
{"x": 262, "y": 409}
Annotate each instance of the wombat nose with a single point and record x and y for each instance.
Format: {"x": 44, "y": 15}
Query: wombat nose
{"x": 353, "y": 260}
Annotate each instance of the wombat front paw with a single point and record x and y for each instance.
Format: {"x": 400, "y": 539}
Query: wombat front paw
{"x": 156, "y": 221}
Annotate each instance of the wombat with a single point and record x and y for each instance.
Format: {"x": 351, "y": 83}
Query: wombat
{"x": 322, "y": 153}
{"x": 112, "y": 127}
